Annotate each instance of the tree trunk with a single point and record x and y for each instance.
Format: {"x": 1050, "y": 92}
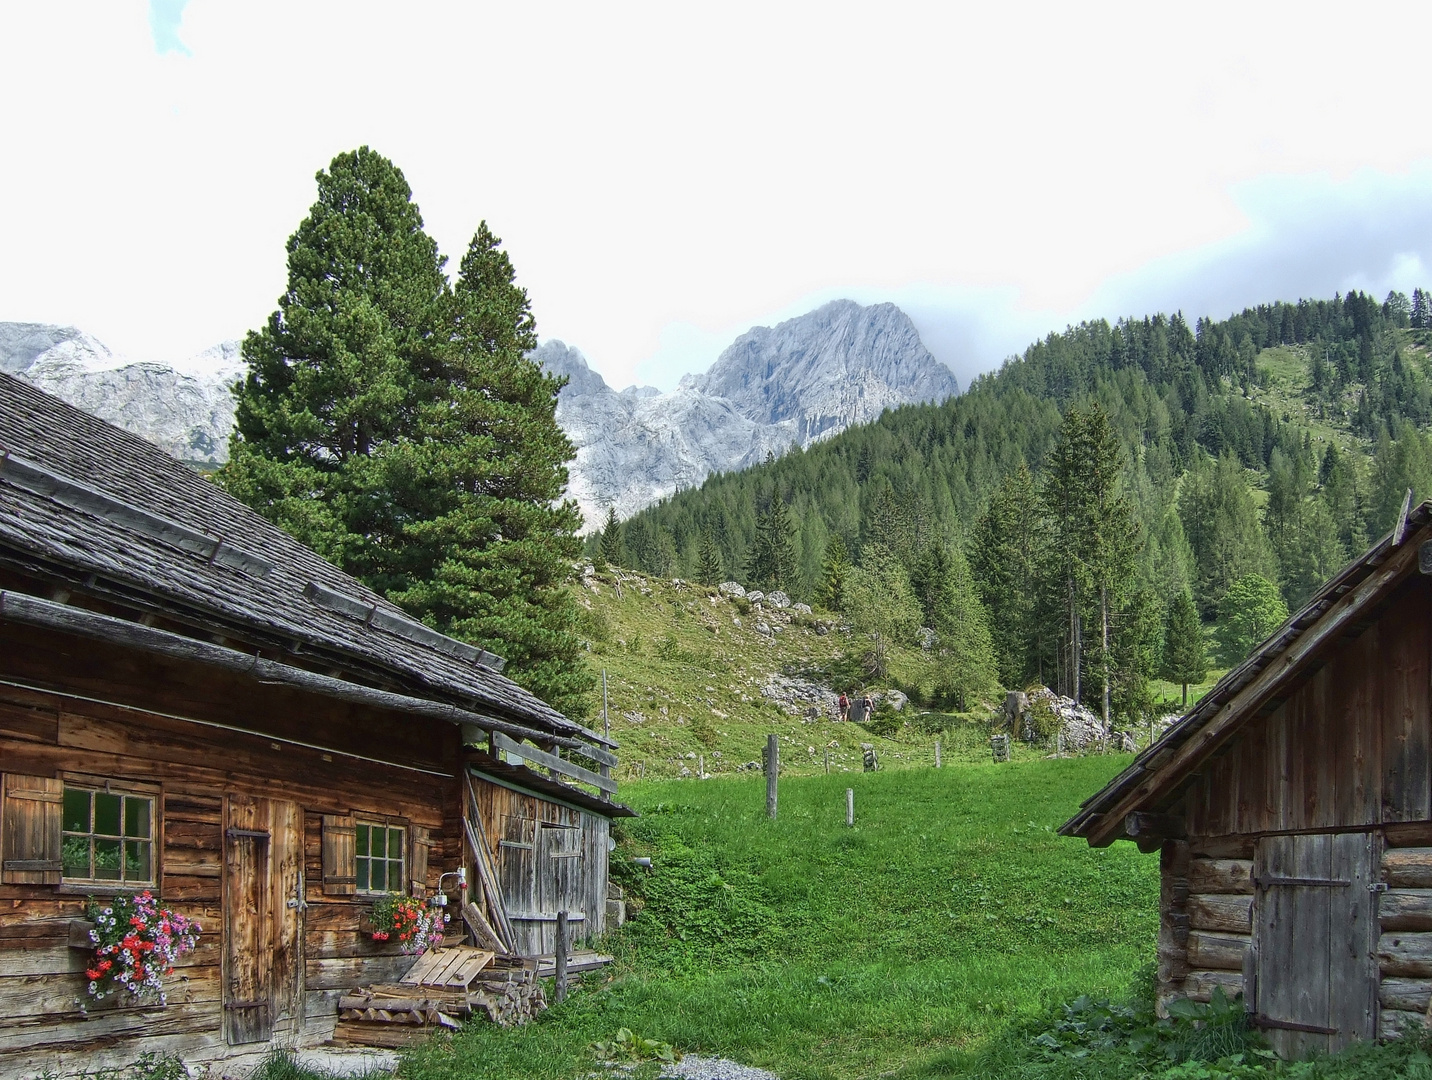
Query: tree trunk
{"x": 1073, "y": 640}
{"x": 1104, "y": 617}
{"x": 1185, "y": 695}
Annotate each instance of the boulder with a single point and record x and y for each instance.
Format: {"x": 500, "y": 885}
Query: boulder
{"x": 755, "y": 596}
{"x": 778, "y": 599}
{"x": 800, "y": 609}
{"x": 731, "y": 588}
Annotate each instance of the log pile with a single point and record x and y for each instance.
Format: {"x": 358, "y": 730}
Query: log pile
{"x": 504, "y": 990}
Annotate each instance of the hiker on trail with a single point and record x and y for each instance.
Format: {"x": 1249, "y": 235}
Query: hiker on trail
{"x": 844, "y": 707}
{"x": 867, "y": 706}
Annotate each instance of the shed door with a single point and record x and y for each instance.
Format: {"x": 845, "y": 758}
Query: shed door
{"x": 1315, "y": 941}
{"x": 263, "y": 898}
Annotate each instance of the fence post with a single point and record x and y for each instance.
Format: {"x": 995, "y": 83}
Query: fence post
{"x": 827, "y": 761}
{"x": 701, "y": 766}
{"x": 560, "y": 958}
{"x": 850, "y": 806}
{"x": 937, "y": 753}
{"x": 773, "y": 768}
{"x": 606, "y": 719}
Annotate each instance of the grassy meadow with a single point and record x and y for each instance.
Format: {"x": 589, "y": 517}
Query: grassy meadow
{"x": 821, "y": 951}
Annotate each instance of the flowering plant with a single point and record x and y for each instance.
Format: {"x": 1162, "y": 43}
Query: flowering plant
{"x": 416, "y": 926}
{"x": 136, "y": 943}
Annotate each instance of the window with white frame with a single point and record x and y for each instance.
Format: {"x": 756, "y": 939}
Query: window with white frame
{"x": 108, "y": 836}
{"x": 379, "y": 857}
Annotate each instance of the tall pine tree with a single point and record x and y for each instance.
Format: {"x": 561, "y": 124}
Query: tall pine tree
{"x": 1185, "y": 657}
{"x": 611, "y": 546}
{"x": 395, "y": 425}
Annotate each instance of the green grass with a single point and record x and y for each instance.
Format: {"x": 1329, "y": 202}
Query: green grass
{"x": 817, "y": 950}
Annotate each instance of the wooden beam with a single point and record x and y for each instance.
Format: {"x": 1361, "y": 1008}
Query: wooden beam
{"x": 1141, "y": 825}
{"x": 553, "y": 762}
{"x": 1226, "y": 720}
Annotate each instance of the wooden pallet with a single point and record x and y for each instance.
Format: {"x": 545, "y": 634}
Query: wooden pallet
{"x": 448, "y": 969}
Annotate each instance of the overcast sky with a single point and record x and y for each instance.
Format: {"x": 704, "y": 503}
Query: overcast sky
{"x": 667, "y": 175}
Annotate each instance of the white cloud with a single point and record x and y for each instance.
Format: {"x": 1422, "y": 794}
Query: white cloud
{"x": 667, "y": 175}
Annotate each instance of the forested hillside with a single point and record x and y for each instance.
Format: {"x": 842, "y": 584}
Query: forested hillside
{"x": 1064, "y": 518}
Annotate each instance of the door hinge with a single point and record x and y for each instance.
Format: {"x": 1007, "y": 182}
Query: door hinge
{"x": 257, "y": 834}
{"x": 1377, "y": 886}
{"x": 1292, "y": 1025}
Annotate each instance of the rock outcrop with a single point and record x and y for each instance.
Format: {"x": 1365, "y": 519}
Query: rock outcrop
{"x": 774, "y": 388}
{"x": 186, "y": 409}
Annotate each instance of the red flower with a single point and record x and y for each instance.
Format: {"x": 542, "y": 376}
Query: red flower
{"x": 92, "y": 974}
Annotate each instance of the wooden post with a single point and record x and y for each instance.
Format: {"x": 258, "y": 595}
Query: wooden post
{"x": 701, "y": 766}
{"x": 827, "y": 761}
{"x": 850, "y": 806}
{"x": 773, "y": 767}
{"x": 560, "y": 959}
{"x": 606, "y": 718}
{"x": 937, "y": 753}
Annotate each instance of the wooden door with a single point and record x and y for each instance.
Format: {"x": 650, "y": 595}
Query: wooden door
{"x": 263, "y": 908}
{"x": 560, "y": 869}
{"x": 1315, "y": 941}
{"x": 518, "y": 869}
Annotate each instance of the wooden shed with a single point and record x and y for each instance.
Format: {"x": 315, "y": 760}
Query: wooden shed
{"x": 194, "y": 704}
{"x": 1292, "y": 809}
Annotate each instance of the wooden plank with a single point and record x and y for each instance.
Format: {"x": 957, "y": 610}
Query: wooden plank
{"x": 1405, "y": 953}
{"x": 1403, "y": 635}
{"x": 1414, "y": 995}
{"x": 1222, "y": 952}
{"x": 1353, "y": 926}
{"x": 1395, "y": 1023}
{"x": 1408, "y": 834}
{"x": 346, "y": 973}
{"x": 1221, "y": 876}
{"x": 481, "y": 929}
{"x": 552, "y": 761}
{"x": 476, "y": 834}
{"x": 1406, "y": 909}
{"x": 1227, "y": 912}
{"x": 1408, "y": 867}
{"x": 1199, "y": 985}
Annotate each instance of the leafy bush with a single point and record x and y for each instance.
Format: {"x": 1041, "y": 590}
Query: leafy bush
{"x": 626, "y": 1046}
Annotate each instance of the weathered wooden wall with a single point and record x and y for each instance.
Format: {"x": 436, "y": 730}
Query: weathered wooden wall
{"x": 550, "y": 858}
{"x": 45, "y": 1021}
{"x": 1349, "y": 748}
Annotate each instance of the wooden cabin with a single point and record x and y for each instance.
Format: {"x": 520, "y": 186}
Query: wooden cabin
{"x": 1292, "y": 810}
{"x": 193, "y": 703}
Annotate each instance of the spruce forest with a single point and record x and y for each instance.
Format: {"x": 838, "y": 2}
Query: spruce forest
{"x": 1119, "y": 503}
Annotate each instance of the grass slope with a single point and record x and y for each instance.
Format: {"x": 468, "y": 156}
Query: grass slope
{"x": 822, "y": 951}
{"x": 685, "y": 670}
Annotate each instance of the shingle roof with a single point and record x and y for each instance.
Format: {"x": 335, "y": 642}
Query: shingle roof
{"x": 1289, "y": 652}
{"x": 158, "y": 532}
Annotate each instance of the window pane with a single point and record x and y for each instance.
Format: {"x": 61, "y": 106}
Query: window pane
{"x": 380, "y": 844}
{"x": 395, "y": 877}
{"x": 76, "y": 856}
{"x": 106, "y": 860}
{"x": 395, "y": 843}
{"x": 106, "y": 814}
{"x": 77, "y": 812}
{"x": 136, "y": 817}
{"x": 363, "y": 875}
{"x": 362, "y": 839}
{"x": 136, "y": 861}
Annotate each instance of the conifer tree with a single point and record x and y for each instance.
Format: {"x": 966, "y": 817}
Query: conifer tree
{"x": 488, "y": 541}
{"x": 963, "y": 651}
{"x": 881, "y": 605}
{"x": 836, "y": 566}
{"x": 1095, "y": 536}
{"x": 1185, "y": 657}
{"x": 771, "y": 563}
{"x": 395, "y": 425}
{"x": 1007, "y": 552}
{"x": 612, "y": 548}
{"x": 1221, "y": 522}
{"x": 709, "y": 570}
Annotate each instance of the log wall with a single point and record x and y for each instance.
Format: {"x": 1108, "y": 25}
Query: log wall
{"x": 46, "y": 1019}
{"x": 1205, "y": 926}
